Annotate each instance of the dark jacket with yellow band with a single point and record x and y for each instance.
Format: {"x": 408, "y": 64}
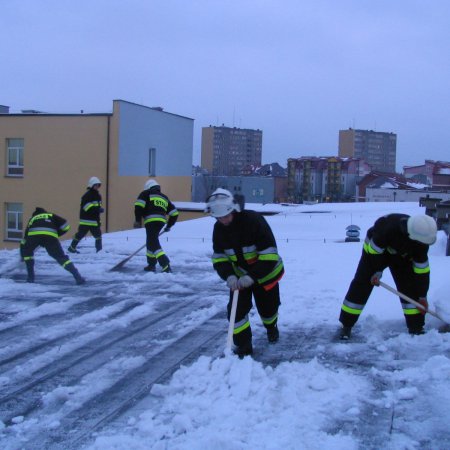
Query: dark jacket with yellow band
{"x": 90, "y": 208}
{"x": 43, "y": 223}
{"x": 153, "y": 206}
{"x": 389, "y": 235}
{"x": 247, "y": 247}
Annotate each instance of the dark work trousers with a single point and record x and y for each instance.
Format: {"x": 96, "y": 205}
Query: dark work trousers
{"x": 83, "y": 230}
{"x": 53, "y": 247}
{"x": 155, "y": 253}
{"x": 361, "y": 288}
{"x": 267, "y": 303}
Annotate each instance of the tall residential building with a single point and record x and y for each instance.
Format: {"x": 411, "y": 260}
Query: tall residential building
{"x": 377, "y": 148}
{"x": 227, "y": 151}
{"x": 47, "y": 159}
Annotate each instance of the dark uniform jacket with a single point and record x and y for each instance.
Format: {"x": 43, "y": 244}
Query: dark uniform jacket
{"x": 153, "y": 206}
{"x": 90, "y": 208}
{"x": 389, "y": 235}
{"x": 247, "y": 247}
{"x": 43, "y": 223}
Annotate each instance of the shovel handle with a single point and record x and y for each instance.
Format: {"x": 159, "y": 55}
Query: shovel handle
{"x": 232, "y": 320}
{"x": 410, "y": 300}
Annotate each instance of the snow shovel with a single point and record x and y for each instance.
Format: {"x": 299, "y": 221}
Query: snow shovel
{"x": 419, "y": 305}
{"x": 120, "y": 264}
{"x": 232, "y": 320}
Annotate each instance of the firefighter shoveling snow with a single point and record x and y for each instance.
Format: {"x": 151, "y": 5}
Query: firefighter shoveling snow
{"x": 382, "y": 389}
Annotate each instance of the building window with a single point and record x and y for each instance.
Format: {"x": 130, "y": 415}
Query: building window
{"x": 15, "y": 157}
{"x": 14, "y": 221}
{"x": 152, "y": 162}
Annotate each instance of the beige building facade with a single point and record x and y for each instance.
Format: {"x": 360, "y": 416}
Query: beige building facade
{"x": 47, "y": 160}
{"x": 377, "y": 148}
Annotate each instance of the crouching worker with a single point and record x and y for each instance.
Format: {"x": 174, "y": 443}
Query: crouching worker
{"x": 398, "y": 242}
{"x": 246, "y": 257}
{"x": 43, "y": 230}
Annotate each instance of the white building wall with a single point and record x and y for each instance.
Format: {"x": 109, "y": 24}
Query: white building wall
{"x": 400, "y": 195}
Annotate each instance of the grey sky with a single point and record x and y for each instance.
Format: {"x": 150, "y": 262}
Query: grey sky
{"x": 300, "y": 70}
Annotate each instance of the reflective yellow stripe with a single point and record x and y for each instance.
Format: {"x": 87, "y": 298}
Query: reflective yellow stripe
{"x": 241, "y": 328}
{"x": 155, "y": 219}
{"x": 272, "y": 274}
{"x": 411, "y": 312}
{"x": 89, "y": 223}
{"x": 370, "y": 250}
{"x": 271, "y": 257}
{"x": 88, "y": 206}
{"x": 46, "y": 233}
{"x": 270, "y": 321}
{"x": 219, "y": 260}
{"x": 421, "y": 270}
{"x": 248, "y": 256}
{"x": 354, "y": 311}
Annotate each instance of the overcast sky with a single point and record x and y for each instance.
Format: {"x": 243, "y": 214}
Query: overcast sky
{"x": 300, "y": 70}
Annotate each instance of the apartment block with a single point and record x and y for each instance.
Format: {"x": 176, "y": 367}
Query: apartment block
{"x": 227, "y": 151}
{"x": 48, "y": 159}
{"x": 378, "y": 149}
{"x": 324, "y": 179}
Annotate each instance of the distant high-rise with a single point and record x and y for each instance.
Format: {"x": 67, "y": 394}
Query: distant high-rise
{"x": 226, "y": 151}
{"x": 378, "y": 149}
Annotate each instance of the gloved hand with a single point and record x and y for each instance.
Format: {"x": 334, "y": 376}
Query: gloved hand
{"x": 376, "y": 277}
{"x": 232, "y": 282}
{"x": 137, "y": 225}
{"x": 244, "y": 282}
{"x": 166, "y": 229}
{"x": 423, "y": 301}
{"x": 102, "y": 210}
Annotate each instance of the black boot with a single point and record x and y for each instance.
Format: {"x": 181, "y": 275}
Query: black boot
{"x": 167, "y": 269}
{"x": 245, "y": 349}
{"x": 79, "y": 279}
{"x": 345, "y": 333}
{"x": 273, "y": 334}
{"x": 30, "y": 270}
{"x": 417, "y": 331}
{"x": 73, "y": 270}
{"x": 98, "y": 244}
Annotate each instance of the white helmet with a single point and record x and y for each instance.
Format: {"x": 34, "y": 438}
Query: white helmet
{"x": 93, "y": 181}
{"x": 422, "y": 228}
{"x": 221, "y": 203}
{"x": 150, "y": 183}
